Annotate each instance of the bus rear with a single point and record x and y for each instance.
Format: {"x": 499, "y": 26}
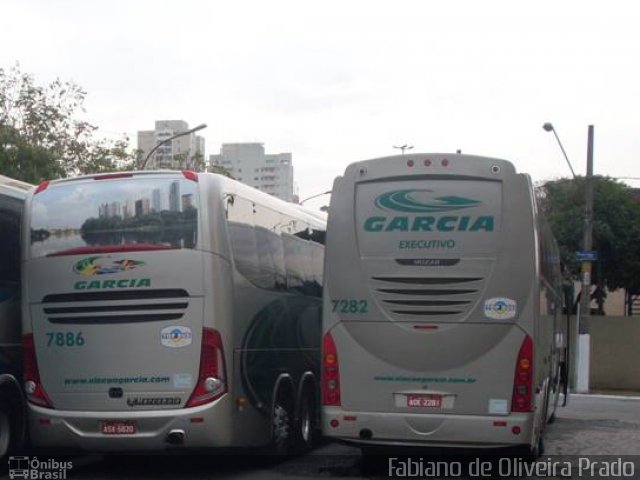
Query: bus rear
{"x": 116, "y": 353}
{"x": 430, "y": 305}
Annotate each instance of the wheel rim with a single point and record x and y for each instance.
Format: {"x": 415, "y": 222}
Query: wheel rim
{"x": 5, "y": 434}
{"x": 305, "y": 423}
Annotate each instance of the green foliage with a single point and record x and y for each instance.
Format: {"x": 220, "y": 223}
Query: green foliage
{"x": 219, "y": 169}
{"x": 42, "y": 136}
{"x": 616, "y": 228}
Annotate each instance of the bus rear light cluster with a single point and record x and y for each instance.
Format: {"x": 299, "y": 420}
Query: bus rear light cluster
{"x": 42, "y": 187}
{"x": 522, "y": 400}
{"x": 32, "y": 385}
{"x": 330, "y": 373}
{"x": 212, "y": 379}
{"x": 190, "y": 175}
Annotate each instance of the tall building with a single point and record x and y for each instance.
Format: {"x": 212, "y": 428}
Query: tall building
{"x": 248, "y": 163}
{"x": 156, "y": 202}
{"x": 174, "y": 197}
{"x": 178, "y": 154}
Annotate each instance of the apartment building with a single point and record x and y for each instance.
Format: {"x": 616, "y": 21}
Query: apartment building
{"x": 182, "y": 153}
{"x": 248, "y": 163}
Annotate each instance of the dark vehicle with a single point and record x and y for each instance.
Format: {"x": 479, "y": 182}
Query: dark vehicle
{"x": 12, "y": 405}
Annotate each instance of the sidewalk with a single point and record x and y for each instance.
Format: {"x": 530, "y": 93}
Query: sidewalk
{"x": 627, "y": 394}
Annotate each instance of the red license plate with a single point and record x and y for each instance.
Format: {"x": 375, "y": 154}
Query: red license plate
{"x": 424, "y": 401}
{"x": 110, "y": 427}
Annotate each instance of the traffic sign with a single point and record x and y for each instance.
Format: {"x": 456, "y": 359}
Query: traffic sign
{"x": 587, "y": 256}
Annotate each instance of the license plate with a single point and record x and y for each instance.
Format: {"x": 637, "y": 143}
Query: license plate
{"x": 424, "y": 401}
{"x": 118, "y": 428}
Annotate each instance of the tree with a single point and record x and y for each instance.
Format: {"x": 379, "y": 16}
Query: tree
{"x": 616, "y": 228}
{"x": 42, "y": 134}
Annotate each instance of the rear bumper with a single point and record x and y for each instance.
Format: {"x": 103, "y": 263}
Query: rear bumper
{"x": 427, "y": 430}
{"x": 82, "y": 430}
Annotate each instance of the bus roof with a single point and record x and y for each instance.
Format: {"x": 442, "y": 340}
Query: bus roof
{"x": 437, "y": 164}
{"x": 15, "y": 188}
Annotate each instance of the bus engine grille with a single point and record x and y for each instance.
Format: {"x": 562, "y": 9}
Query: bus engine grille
{"x": 427, "y": 296}
{"x": 120, "y": 306}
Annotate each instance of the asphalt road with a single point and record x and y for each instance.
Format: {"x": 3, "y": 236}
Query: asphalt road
{"x": 589, "y": 426}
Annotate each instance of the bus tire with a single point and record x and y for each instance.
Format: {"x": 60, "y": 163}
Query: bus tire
{"x": 531, "y": 453}
{"x": 306, "y": 424}
{"x": 282, "y": 426}
{"x": 6, "y": 431}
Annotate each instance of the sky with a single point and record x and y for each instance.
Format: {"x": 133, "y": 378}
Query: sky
{"x": 335, "y": 82}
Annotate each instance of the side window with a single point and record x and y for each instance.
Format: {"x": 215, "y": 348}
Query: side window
{"x": 242, "y": 235}
{"x": 304, "y": 258}
{"x": 294, "y": 251}
{"x": 270, "y": 248}
{"x": 275, "y": 251}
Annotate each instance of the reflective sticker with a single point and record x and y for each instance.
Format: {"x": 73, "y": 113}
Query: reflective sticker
{"x": 500, "y": 308}
{"x": 176, "y": 337}
{"x": 498, "y": 406}
{"x": 182, "y": 380}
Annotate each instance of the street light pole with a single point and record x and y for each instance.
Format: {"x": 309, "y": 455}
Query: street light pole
{"x": 167, "y": 140}
{"x": 314, "y": 196}
{"x": 587, "y": 240}
{"x": 549, "y": 128}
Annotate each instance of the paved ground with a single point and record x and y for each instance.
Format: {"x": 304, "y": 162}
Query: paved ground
{"x": 596, "y": 425}
{"x": 590, "y": 425}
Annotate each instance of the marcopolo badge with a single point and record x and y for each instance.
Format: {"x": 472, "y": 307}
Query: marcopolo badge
{"x": 500, "y": 308}
{"x": 176, "y": 337}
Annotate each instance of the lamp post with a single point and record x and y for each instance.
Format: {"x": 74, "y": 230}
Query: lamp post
{"x": 403, "y": 147}
{"x": 314, "y": 196}
{"x": 587, "y": 239}
{"x": 549, "y": 128}
{"x": 167, "y": 140}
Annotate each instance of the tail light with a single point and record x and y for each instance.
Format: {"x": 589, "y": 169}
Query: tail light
{"x": 32, "y": 385}
{"x": 522, "y": 400}
{"x": 190, "y": 175}
{"x": 42, "y": 187}
{"x": 330, "y": 373}
{"x": 212, "y": 379}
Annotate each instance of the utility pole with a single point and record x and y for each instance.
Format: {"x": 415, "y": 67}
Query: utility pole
{"x": 403, "y": 147}
{"x": 585, "y": 298}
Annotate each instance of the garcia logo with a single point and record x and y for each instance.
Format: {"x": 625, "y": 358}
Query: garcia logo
{"x": 104, "y": 265}
{"x": 500, "y": 308}
{"x": 420, "y": 201}
{"x": 122, "y": 283}
{"x": 176, "y": 337}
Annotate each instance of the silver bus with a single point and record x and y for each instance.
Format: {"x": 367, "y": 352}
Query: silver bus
{"x": 12, "y": 410}
{"x": 170, "y": 309}
{"x": 442, "y": 306}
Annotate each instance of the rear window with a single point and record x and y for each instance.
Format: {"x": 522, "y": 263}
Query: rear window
{"x": 136, "y": 213}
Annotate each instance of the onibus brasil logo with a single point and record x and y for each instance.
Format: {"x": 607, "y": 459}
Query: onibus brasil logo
{"x": 415, "y": 201}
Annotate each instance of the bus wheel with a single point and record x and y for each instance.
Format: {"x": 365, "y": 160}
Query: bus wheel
{"x": 306, "y": 423}
{"x": 5, "y": 432}
{"x": 531, "y": 454}
{"x": 281, "y": 428}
